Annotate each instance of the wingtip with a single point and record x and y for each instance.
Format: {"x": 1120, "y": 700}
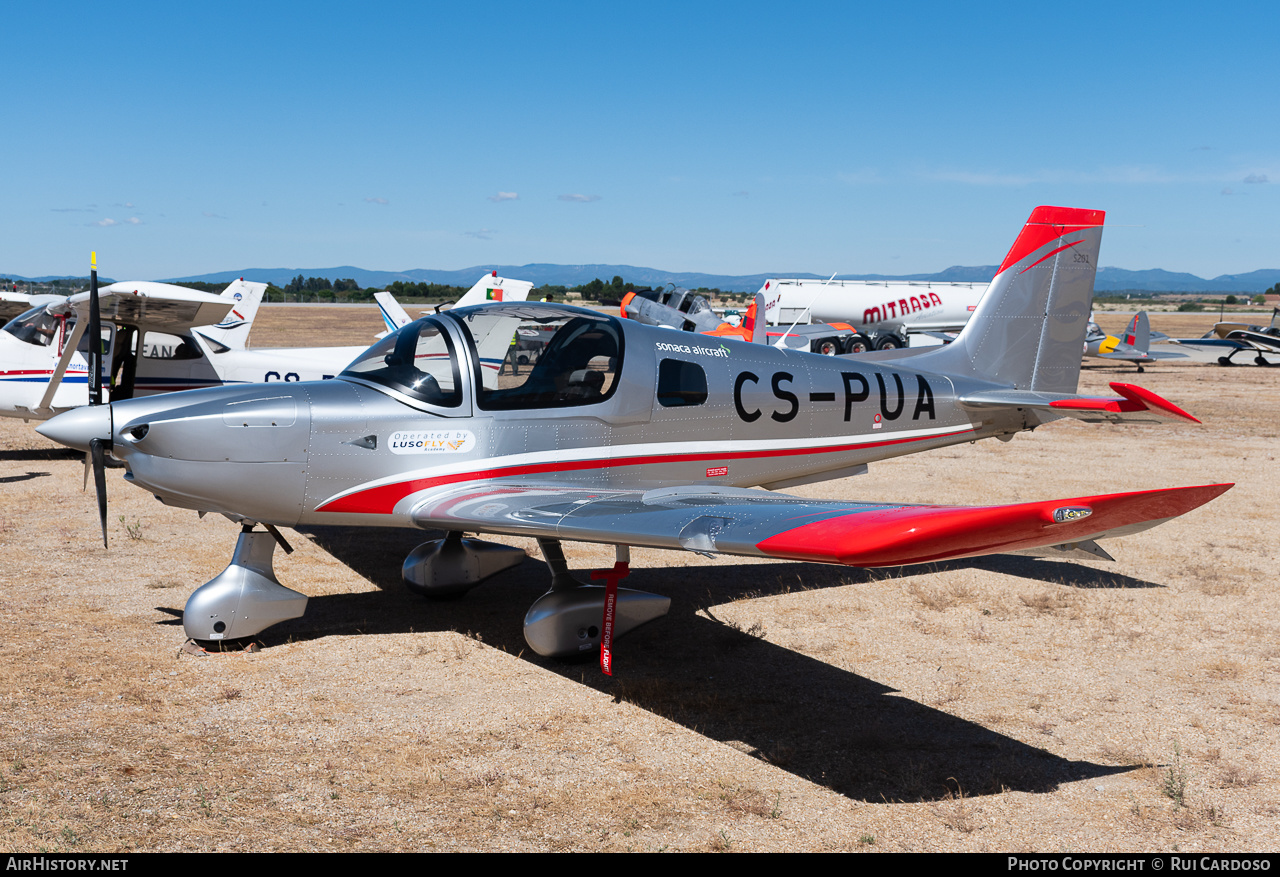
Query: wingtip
{"x": 897, "y": 536}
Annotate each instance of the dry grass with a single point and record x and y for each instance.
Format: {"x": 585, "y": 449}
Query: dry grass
{"x": 1049, "y": 692}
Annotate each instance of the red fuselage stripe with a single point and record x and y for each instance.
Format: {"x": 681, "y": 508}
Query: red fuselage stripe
{"x": 382, "y": 500}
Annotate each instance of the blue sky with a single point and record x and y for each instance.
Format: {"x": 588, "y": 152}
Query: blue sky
{"x": 179, "y": 139}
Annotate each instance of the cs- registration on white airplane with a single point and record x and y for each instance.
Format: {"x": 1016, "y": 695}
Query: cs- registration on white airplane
{"x": 188, "y": 340}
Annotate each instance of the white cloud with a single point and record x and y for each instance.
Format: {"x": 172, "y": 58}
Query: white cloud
{"x": 108, "y": 222}
{"x": 505, "y": 196}
{"x": 213, "y": 215}
{"x": 742, "y": 194}
{"x": 581, "y": 199}
{"x": 376, "y": 201}
{"x": 484, "y": 234}
{"x": 1227, "y": 191}
{"x": 1256, "y": 178}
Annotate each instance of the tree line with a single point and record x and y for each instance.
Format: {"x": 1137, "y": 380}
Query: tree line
{"x": 322, "y": 290}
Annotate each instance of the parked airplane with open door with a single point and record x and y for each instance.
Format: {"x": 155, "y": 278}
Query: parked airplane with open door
{"x": 188, "y": 340}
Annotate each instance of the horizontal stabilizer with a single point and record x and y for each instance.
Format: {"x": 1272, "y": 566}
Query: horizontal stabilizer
{"x": 1134, "y": 405}
{"x": 1134, "y": 355}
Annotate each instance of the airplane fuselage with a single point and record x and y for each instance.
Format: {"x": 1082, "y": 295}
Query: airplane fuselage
{"x": 678, "y": 410}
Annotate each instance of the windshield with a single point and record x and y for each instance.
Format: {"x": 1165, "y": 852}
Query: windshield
{"x": 417, "y": 360}
{"x": 36, "y": 326}
{"x": 542, "y": 356}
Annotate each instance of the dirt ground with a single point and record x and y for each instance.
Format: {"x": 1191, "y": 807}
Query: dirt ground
{"x": 1003, "y": 704}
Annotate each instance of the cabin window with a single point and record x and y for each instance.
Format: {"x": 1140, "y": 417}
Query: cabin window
{"x": 169, "y": 347}
{"x": 681, "y": 383}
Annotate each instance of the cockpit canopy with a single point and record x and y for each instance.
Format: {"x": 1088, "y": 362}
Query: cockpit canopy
{"x": 523, "y": 356}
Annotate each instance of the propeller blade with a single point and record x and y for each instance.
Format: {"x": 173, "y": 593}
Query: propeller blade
{"x": 95, "y": 335}
{"x": 96, "y": 450}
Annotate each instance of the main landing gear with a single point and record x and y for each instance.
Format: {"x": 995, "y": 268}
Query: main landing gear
{"x": 568, "y": 619}
{"x": 564, "y": 622}
{"x": 245, "y": 598}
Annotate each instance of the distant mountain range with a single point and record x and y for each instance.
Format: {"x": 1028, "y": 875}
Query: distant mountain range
{"x": 1109, "y": 279}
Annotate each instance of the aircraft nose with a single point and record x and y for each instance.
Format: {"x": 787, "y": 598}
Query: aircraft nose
{"x": 77, "y": 427}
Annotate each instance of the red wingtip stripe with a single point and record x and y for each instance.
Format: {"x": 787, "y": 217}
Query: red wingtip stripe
{"x": 923, "y": 534}
{"x": 1046, "y": 225}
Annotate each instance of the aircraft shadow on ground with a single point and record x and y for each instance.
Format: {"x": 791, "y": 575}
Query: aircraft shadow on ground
{"x": 31, "y": 454}
{"x": 13, "y": 479}
{"x": 823, "y": 723}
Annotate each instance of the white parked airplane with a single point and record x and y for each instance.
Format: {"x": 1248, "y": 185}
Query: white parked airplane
{"x": 187, "y": 339}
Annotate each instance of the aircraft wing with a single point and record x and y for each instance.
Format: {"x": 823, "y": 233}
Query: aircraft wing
{"x": 14, "y": 303}
{"x": 1211, "y": 344}
{"x": 727, "y": 520}
{"x": 1257, "y": 340}
{"x": 158, "y": 307}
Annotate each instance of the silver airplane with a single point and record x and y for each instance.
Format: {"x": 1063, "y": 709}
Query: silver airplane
{"x": 621, "y": 433}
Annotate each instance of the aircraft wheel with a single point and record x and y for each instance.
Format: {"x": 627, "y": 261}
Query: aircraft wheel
{"x": 1141, "y": 369}
{"x": 888, "y": 342}
{"x": 857, "y": 344}
{"x": 1261, "y": 360}
{"x": 1225, "y": 360}
{"x": 827, "y": 347}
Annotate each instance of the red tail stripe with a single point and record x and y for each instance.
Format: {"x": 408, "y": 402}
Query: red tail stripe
{"x": 1046, "y": 225}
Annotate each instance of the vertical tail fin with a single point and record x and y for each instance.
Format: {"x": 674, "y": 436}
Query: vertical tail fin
{"x": 491, "y": 287}
{"x": 234, "y": 329}
{"x": 1028, "y": 330}
{"x": 1138, "y": 335}
{"x": 393, "y": 314}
